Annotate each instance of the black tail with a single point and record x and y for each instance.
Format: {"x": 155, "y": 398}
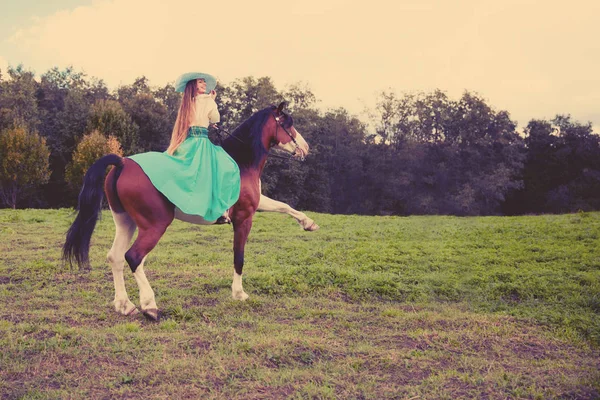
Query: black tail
{"x": 77, "y": 245}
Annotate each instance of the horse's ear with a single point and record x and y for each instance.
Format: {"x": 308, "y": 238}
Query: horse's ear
{"x": 281, "y": 106}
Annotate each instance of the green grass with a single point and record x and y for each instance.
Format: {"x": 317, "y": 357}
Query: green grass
{"x": 365, "y": 308}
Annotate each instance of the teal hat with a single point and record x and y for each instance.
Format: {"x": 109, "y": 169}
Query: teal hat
{"x": 211, "y": 82}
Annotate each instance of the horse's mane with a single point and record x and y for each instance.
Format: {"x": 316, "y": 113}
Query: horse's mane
{"x": 250, "y": 133}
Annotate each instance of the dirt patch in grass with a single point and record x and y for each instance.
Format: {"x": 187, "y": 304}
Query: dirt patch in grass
{"x": 7, "y": 279}
{"x": 201, "y": 302}
{"x": 195, "y": 345}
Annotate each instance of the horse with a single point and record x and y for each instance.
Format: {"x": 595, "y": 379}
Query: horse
{"x": 135, "y": 203}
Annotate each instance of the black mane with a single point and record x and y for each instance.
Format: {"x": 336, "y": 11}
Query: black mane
{"x": 246, "y": 147}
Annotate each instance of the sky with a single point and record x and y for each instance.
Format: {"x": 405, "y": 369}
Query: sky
{"x": 534, "y": 59}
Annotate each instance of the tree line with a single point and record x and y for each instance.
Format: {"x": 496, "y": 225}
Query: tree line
{"x": 417, "y": 153}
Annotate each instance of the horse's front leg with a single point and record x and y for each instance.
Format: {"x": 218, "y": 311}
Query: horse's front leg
{"x": 240, "y": 236}
{"x": 270, "y": 205}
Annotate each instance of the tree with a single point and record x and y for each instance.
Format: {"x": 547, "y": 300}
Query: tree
{"x": 243, "y": 97}
{"x": 486, "y": 157}
{"x": 170, "y": 99}
{"x": 64, "y": 98}
{"x": 91, "y": 148}
{"x": 109, "y": 118}
{"x": 562, "y": 170}
{"x": 443, "y": 156}
{"x": 153, "y": 117}
{"x": 23, "y": 163}
{"x": 338, "y": 141}
{"x": 299, "y": 97}
{"x": 393, "y": 124}
{"x": 18, "y": 104}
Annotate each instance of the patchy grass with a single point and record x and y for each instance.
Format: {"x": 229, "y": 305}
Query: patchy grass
{"x": 365, "y": 308}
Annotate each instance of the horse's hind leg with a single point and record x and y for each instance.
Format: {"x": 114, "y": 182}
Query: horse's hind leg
{"x": 147, "y": 300}
{"x": 125, "y": 228}
{"x": 135, "y": 256}
{"x": 152, "y": 214}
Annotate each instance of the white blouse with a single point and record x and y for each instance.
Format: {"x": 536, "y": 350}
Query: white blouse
{"x": 206, "y": 111}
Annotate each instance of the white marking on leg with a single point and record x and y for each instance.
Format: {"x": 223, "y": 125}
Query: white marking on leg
{"x": 147, "y": 301}
{"x": 237, "y": 291}
{"x": 269, "y": 205}
{"x": 125, "y": 227}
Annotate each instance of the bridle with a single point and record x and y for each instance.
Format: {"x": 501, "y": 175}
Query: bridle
{"x": 278, "y": 124}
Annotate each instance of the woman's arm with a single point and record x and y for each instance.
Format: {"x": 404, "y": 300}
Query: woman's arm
{"x": 213, "y": 114}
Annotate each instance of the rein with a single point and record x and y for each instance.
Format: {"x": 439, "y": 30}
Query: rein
{"x": 288, "y": 158}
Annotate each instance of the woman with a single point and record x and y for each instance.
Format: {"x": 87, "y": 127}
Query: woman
{"x": 199, "y": 178}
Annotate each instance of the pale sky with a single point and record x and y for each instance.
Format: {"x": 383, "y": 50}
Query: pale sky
{"x": 532, "y": 58}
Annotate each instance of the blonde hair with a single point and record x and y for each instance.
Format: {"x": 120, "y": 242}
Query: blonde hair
{"x": 184, "y": 116}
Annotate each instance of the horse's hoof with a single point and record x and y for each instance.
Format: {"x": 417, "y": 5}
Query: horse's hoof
{"x": 151, "y": 314}
{"x": 312, "y": 227}
{"x": 126, "y": 308}
{"x": 223, "y": 220}
{"x": 133, "y": 311}
{"x": 241, "y": 296}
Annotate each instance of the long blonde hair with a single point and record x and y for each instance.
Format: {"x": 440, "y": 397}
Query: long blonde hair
{"x": 184, "y": 116}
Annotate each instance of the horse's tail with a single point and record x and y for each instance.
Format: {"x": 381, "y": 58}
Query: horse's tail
{"x": 77, "y": 244}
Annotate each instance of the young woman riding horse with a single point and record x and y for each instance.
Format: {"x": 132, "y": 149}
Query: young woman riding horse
{"x": 135, "y": 202}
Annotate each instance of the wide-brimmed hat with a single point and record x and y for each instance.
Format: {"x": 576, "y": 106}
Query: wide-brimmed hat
{"x": 211, "y": 82}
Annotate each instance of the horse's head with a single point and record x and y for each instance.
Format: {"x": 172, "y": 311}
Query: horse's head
{"x": 280, "y": 133}
{"x": 249, "y": 144}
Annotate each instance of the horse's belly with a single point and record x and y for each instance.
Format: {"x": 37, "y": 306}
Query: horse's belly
{"x": 192, "y": 219}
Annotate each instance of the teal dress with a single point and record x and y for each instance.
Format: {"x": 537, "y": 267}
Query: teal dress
{"x": 199, "y": 178}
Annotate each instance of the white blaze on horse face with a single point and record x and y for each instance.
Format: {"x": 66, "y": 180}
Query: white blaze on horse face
{"x": 290, "y": 147}
{"x": 302, "y": 145}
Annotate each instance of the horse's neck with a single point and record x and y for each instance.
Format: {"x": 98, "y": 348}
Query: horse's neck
{"x": 253, "y": 171}
{"x": 250, "y": 175}
{"x": 244, "y": 148}
{"x": 245, "y": 160}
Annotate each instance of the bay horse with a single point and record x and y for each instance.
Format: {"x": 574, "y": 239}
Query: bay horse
{"x": 135, "y": 203}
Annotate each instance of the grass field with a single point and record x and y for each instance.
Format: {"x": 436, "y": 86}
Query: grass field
{"x": 365, "y": 308}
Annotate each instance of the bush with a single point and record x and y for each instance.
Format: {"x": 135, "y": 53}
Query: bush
{"x": 24, "y": 163}
{"x": 91, "y": 148}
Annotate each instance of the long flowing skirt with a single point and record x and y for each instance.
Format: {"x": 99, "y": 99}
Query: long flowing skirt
{"x": 200, "y": 179}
